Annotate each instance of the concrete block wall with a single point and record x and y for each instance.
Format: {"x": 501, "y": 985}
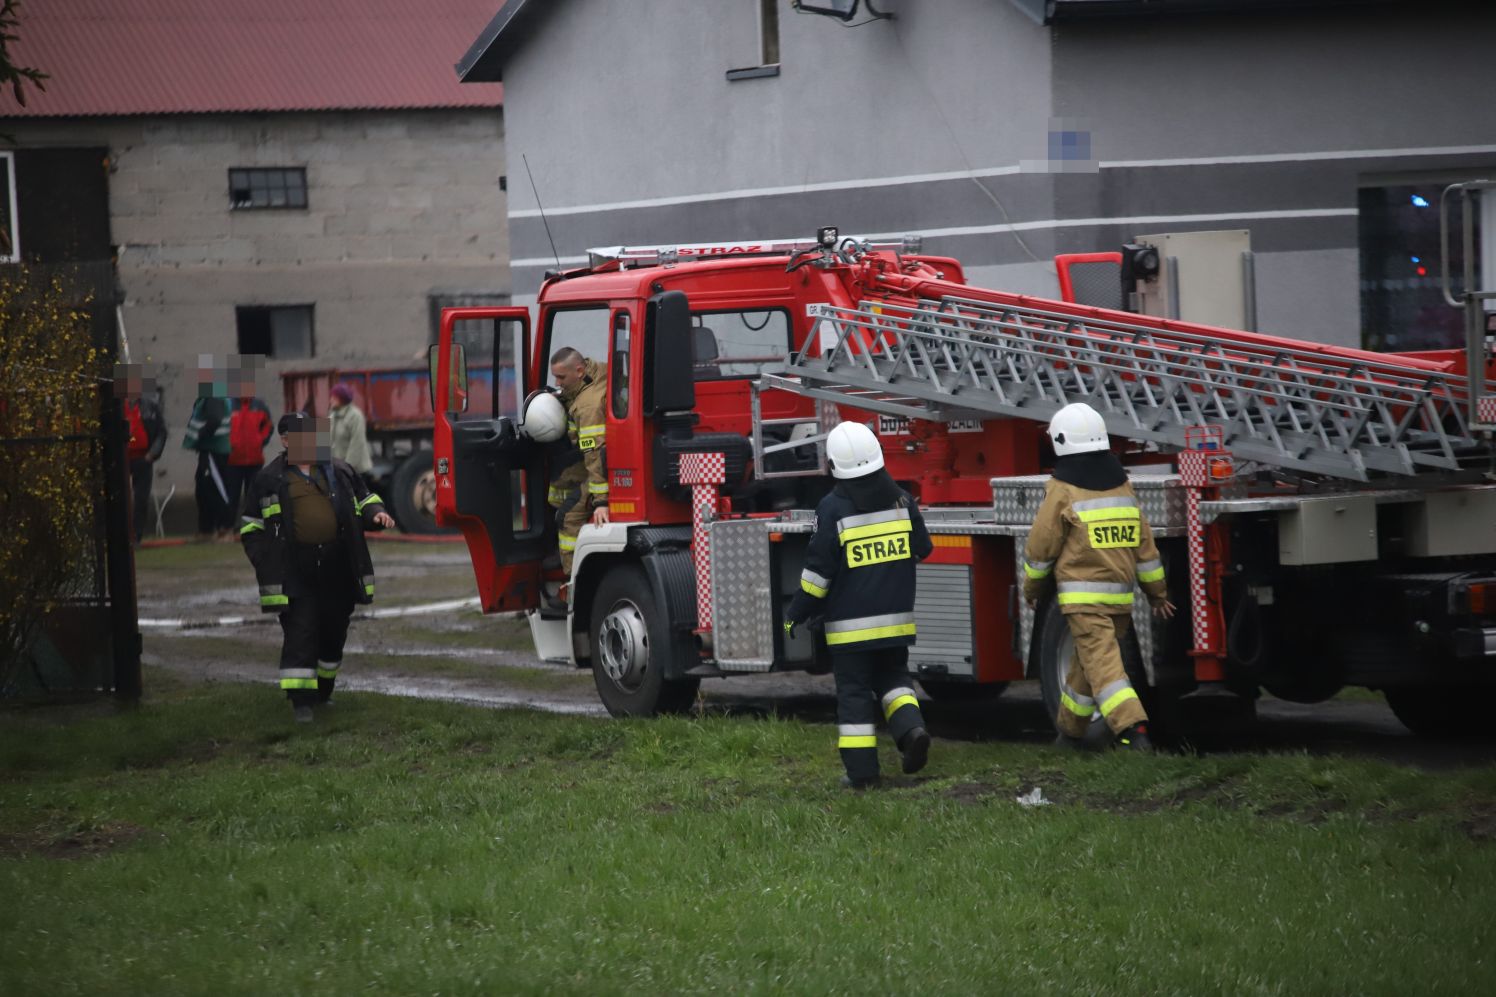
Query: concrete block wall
{"x": 401, "y": 205}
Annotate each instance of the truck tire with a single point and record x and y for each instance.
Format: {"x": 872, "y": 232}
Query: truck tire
{"x": 1049, "y": 659}
{"x": 954, "y": 691}
{"x": 413, "y": 498}
{"x": 1431, "y": 711}
{"x": 628, "y": 634}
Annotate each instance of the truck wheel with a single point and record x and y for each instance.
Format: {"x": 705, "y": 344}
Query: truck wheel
{"x": 413, "y": 498}
{"x": 630, "y": 641}
{"x": 1050, "y": 660}
{"x": 951, "y": 691}
{"x": 1433, "y": 711}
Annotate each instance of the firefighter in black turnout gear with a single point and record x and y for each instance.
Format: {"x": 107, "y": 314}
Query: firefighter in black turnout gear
{"x": 859, "y": 581}
{"x": 303, "y": 528}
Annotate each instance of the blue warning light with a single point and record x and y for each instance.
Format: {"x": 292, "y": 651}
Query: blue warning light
{"x": 1419, "y": 201}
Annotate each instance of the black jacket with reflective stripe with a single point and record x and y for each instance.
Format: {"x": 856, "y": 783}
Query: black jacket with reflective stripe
{"x": 859, "y": 573}
{"x": 269, "y": 536}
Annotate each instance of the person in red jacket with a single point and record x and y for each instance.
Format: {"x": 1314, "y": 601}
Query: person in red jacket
{"x": 250, "y": 428}
{"x": 136, "y": 386}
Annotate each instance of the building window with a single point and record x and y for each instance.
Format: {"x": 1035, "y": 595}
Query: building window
{"x": 476, "y": 336}
{"x": 1402, "y": 307}
{"x": 282, "y": 332}
{"x": 768, "y": 44}
{"x": 252, "y": 188}
{"x": 10, "y": 240}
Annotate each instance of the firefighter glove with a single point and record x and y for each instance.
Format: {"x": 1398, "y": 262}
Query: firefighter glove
{"x": 789, "y": 627}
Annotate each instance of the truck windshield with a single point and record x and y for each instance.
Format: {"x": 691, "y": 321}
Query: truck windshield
{"x": 739, "y": 344}
{"x": 583, "y": 329}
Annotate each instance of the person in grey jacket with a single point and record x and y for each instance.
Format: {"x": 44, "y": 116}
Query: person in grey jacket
{"x": 350, "y": 439}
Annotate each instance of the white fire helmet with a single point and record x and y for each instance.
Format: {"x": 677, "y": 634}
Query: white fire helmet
{"x": 545, "y": 419}
{"x": 1077, "y": 428}
{"x": 854, "y": 450}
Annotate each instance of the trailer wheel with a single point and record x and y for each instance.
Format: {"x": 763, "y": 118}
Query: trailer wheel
{"x": 952, "y": 691}
{"x": 629, "y": 641}
{"x": 413, "y": 495}
{"x": 1050, "y": 660}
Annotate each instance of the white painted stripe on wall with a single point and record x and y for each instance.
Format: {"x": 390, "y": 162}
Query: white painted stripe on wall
{"x": 1050, "y": 223}
{"x": 1002, "y": 171}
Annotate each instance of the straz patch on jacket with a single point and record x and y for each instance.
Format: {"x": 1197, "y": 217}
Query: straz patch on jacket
{"x": 877, "y": 550}
{"x": 1113, "y": 533}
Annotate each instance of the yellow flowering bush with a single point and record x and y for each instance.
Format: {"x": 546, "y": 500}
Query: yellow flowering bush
{"x": 51, "y": 480}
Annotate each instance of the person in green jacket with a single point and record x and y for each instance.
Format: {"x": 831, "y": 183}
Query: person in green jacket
{"x": 208, "y": 434}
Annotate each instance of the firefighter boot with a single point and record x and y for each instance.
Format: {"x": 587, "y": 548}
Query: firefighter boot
{"x": 915, "y": 747}
{"x": 1135, "y": 738}
{"x": 302, "y": 712}
{"x": 867, "y": 782}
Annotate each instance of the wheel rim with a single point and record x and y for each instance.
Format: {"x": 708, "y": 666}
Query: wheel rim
{"x": 1065, "y": 651}
{"x": 623, "y": 647}
{"x": 423, "y": 496}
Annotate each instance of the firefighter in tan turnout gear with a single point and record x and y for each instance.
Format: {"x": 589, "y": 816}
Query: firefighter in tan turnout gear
{"x": 859, "y": 580}
{"x": 1091, "y": 538}
{"x": 579, "y": 490}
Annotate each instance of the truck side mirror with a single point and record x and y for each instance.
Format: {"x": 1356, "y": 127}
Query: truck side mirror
{"x": 670, "y": 384}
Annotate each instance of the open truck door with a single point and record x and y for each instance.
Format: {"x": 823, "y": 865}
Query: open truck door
{"x": 490, "y": 480}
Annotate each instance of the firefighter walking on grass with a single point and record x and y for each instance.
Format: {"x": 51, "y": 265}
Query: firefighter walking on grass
{"x": 1090, "y": 536}
{"x": 859, "y": 580}
{"x": 579, "y": 490}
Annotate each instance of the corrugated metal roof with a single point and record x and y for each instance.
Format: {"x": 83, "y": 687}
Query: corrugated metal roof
{"x": 118, "y": 57}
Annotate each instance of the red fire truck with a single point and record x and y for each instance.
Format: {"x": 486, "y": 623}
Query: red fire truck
{"x": 1324, "y": 513}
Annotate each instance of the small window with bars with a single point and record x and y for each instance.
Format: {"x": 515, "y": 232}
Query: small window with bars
{"x": 252, "y": 188}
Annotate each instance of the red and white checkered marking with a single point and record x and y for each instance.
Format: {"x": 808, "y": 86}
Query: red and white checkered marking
{"x": 1195, "y": 542}
{"x": 703, "y": 472}
{"x": 1485, "y": 410}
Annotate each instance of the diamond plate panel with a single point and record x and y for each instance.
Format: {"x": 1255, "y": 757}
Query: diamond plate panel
{"x": 943, "y": 614}
{"x": 742, "y": 589}
{"x": 1161, "y": 496}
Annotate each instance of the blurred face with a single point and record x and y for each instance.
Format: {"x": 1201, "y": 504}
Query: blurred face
{"x": 212, "y": 379}
{"x": 312, "y": 445}
{"x": 568, "y": 375}
{"x": 132, "y": 381}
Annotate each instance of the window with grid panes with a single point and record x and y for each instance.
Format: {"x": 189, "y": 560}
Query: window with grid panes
{"x": 251, "y": 188}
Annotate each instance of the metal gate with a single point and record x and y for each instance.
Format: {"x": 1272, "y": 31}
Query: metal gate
{"x": 68, "y": 622}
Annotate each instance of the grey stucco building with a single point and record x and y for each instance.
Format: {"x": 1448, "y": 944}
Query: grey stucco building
{"x": 304, "y": 184}
{"x": 1006, "y": 131}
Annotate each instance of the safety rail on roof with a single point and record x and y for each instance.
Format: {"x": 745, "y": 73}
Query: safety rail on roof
{"x": 639, "y": 256}
{"x": 1336, "y": 413}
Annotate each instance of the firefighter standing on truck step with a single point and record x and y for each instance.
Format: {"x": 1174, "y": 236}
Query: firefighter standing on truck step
{"x": 1090, "y": 536}
{"x": 304, "y": 520}
{"x": 859, "y": 579}
{"x": 579, "y": 491}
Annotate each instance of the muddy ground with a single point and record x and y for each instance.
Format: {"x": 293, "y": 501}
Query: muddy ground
{"x": 460, "y": 655}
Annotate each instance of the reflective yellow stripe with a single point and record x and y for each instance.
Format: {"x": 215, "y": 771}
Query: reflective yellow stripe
{"x": 810, "y": 588}
{"x": 591, "y": 437}
{"x": 871, "y": 633}
{"x": 875, "y": 530}
{"x": 369, "y": 589}
{"x": 594, "y": 488}
{"x": 326, "y": 673}
{"x": 1074, "y": 707}
{"x": 1116, "y": 699}
{"x": 598, "y": 429}
{"x": 1095, "y": 598}
{"x": 310, "y": 683}
{"x": 898, "y": 704}
{"x": 1156, "y": 575}
{"x": 857, "y": 741}
{"x": 1033, "y": 572}
{"x": 275, "y": 600}
{"x": 273, "y": 509}
{"x": 251, "y": 526}
{"x": 1112, "y": 512}
{"x": 568, "y": 543}
{"x": 368, "y": 501}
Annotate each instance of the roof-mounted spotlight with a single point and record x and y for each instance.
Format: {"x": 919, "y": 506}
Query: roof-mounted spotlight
{"x": 827, "y": 236}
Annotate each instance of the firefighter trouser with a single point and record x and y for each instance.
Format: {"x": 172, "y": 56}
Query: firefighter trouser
{"x": 1097, "y": 679}
{"x": 314, "y": 623}
{"x": 870, "y": 684}
{"x": 572, "y": 520}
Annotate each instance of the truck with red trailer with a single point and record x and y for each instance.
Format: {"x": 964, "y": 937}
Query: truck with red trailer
{"x": 396, "y": 402}
{"x": 1325, "y": 514}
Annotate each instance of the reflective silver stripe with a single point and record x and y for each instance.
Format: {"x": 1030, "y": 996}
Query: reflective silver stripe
{"x": 1112, "y": 688}
{"x": 892, "y": 694}
{"x": 1122, "y": 588}
{"x": 871, "y": 518}
{"x": 1146, "y": 566}
{"x": 268, "y": 501}
{"x": 868, "y": 622}
{"x": 819, "y": 581}
{"x": 1040, "y": 566}
{"x": 269, "y": 590}
{"x": 1116, "y": 502}
{"x": 1079, "y": 699}
{"x": 329, "y": 666}
{"x": 298, "y": 673}
{"x": 857, "y": 730}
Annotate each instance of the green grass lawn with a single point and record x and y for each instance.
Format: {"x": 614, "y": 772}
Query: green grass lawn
{"x": 204, "y": 844}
